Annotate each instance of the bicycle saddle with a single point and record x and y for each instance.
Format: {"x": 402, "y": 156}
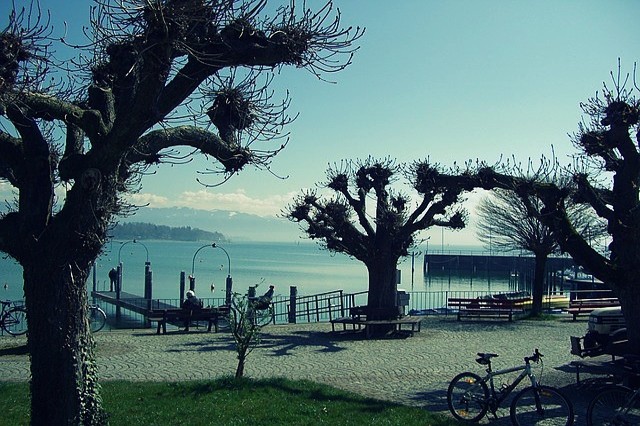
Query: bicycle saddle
{"x": 485, "y": 358}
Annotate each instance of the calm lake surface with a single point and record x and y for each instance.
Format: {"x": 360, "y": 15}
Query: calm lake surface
{"x": 303, "y": 264}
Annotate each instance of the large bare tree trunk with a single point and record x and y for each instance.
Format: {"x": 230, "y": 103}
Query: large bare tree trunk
{"x": 381, "y": 301}
{"x": 538, "y": 283}
{"x": 64, "y": 382}
{"x": 629, "y": 297}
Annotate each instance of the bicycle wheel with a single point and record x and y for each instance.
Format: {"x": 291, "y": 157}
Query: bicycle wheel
{"x": 97, "y": 318}
{"x": 543, "y": 406}
{"x": 14, "y": 321}
{"x": 614, "y": 406}
{"x": 466, "y": 396}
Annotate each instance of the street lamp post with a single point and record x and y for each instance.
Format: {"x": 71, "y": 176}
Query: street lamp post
{"x": 147, "y": 275}
{"x": 146, "y": 263}
{"x": 192, "y": 277}
{"x": 229, "y": 282}
{"x": 135, "y": 242}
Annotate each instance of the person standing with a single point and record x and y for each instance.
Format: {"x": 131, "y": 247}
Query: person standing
{"x": 113, "y": 279}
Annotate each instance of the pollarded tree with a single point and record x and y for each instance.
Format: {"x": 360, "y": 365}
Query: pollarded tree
{"x": 381, "y": 236}
{"x": 504, "y": 223}
{"x": 78, "y": 135}
{"x": 609, "y": 181}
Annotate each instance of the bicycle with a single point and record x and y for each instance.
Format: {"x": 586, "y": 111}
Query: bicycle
{"x": 470, "y": 396}
{"x": 13, "y": 320}
{"x": 97, "y": 318}
{"x": 617, "y": 404}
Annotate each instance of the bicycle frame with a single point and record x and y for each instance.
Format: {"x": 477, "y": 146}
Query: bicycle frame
{"x": 6, "y": 305}
{"x": 497, "y": 397}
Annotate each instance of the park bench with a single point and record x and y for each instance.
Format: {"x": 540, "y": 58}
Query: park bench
{"x": 487, "y": 307}
{"x": 360, "y": 316}
{"x": 586, "y": 306}
{"x": 182, "y": 317}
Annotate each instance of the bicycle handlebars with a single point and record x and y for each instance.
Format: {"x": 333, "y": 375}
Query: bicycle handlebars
{"x": 535, "y": 357}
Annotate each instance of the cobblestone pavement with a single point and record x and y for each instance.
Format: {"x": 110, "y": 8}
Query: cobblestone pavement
{"x": 414, "y": 370}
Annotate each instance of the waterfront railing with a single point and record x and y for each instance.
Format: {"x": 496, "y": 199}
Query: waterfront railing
{"x": 317, "y": 307}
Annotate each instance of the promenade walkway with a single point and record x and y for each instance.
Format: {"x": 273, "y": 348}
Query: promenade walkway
{"x": 413, "y": 371}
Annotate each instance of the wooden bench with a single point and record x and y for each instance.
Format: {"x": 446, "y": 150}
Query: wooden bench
{"x": 182, "y": 316}
{"x": 358, "y": 318}
{"x": 487, "y": 307}
{"x": 586, "y": 306}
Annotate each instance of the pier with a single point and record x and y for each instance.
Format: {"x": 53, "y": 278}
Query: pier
{"x": 474, "y": 266}
{"x": 465, "y": 262}
{"x": 131, "y": 302}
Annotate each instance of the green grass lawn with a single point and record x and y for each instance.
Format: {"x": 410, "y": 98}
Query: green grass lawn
{"x": 231, "y": 402}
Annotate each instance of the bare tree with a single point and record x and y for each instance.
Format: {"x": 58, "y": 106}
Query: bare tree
{"x": 380, "y": 236}
{"x": 246, "y": 320}
{"x": 158, "y": 81}
{"x": 504, "y": 223}
{"x": 606, "y": 176}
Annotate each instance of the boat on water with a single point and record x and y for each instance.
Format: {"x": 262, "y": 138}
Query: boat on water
{"x": 552, "y": 301}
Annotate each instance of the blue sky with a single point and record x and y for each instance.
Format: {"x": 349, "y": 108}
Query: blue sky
{"x": 448, "y": 80}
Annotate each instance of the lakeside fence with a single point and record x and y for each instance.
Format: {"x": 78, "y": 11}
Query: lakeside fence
{"x": 323, "y": 307}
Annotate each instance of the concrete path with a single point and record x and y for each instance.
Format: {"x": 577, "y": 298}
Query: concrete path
{"x": 414, "y": 371}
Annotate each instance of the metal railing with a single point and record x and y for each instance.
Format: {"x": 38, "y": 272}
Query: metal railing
{"x": 325, "y": 306}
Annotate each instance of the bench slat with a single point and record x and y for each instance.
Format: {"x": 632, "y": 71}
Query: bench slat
{"x": 495, "y": 308}
{"x": 162, "y": 317}
{"x": 586, "y": 306}
{"x": 413, "y": 320}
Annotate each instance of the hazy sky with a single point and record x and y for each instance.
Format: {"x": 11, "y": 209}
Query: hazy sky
{"x": 448, "y": 80}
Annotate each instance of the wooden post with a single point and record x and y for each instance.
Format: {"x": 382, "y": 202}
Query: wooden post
{"x": 148, "y": 290}
{"x": 228, "y": 290}
{"x": 293, "y": 295}
{"x": 118, "y": 292}
{"x": 182, "y": 284}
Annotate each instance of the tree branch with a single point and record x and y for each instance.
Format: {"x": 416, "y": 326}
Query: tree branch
{"x": 10, "y": 158}
{"x": 49, "y": 108}
{"x": 592, "y": 196}
{"x": 359, "y": 206}
{"x": 148, "y": 147}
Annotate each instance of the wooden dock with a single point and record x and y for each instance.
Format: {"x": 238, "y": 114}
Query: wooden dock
{"x": 131, "y": 302}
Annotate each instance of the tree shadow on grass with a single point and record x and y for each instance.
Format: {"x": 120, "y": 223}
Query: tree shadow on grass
{"x": 299, "y": 389}
{"x": 432, "y": 400}
{"x": 14, "y": 350}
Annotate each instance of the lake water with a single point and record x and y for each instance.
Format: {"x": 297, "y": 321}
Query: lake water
{"x": 304, "y": 264}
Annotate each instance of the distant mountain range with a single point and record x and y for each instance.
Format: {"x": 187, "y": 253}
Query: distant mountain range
{"x": 233, "y": 225}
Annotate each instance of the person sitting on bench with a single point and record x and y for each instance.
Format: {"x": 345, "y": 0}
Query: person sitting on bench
{"x": 264, "y": 301}
{"x": 191, "y": 303}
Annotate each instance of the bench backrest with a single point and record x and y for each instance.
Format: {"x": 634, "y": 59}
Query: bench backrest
{"x": 609, "y": 301}
{"x": 487, "y": 303}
